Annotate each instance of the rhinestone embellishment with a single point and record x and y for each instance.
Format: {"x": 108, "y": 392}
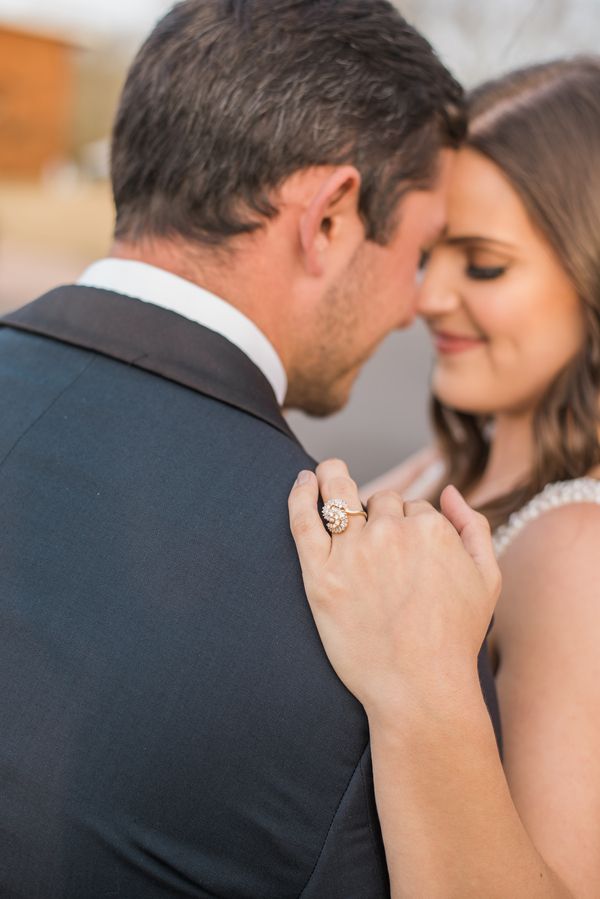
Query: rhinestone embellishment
{"x": 336, "y": 516}
{"x": 559, "y": 493}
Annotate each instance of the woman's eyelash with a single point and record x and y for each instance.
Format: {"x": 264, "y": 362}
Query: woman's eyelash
{"x": 485, "y": 273}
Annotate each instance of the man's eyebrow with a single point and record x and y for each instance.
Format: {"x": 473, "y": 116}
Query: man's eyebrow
{"x": 439, "y": 235}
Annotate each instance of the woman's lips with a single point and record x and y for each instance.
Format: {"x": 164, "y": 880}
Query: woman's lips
{"x": 455, "y": 343}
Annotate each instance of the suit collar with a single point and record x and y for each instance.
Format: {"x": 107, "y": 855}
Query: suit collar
{"x": 131, "y": 278}
{"x": 154, "y": 339}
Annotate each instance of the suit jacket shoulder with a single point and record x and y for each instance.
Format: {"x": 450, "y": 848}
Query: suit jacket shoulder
{"x": 169, "y": 723}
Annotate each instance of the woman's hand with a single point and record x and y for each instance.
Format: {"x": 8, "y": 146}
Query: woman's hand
{"x": 402, "y": 602}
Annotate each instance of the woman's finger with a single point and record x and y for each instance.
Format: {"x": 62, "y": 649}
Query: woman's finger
{"x": 386, "y": 503}
{"x": 312, "y": 542}
{"x": 474, "y": 532}
{"x": 418, "y": 507}
{"x": 335, "y": 483}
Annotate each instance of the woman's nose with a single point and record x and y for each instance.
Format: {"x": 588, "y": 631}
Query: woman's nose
{"x": 436, "y": 295}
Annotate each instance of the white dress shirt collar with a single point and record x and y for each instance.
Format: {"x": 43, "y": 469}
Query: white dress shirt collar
{"x": 155, "y": 285}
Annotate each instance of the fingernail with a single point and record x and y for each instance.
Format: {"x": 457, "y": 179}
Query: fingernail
{"x": 303, "y": 478}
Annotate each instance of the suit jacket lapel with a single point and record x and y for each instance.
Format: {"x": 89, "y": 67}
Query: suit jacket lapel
{"x": 154, "y": 339}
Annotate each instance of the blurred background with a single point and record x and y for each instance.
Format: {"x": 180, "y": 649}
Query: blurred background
{"x": 61, "y": 69}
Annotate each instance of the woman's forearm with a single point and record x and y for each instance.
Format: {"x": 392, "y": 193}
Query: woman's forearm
{"x": 450, "y": 828}
{"x": 402, "y": 603}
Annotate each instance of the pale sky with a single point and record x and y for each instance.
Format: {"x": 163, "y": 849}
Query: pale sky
{"x": 124, "y": 16}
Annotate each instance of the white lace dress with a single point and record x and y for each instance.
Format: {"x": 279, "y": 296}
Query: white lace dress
{"x": 561, "y": 493}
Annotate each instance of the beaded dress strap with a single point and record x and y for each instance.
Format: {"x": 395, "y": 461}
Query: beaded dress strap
{"x": 561, "y": 493}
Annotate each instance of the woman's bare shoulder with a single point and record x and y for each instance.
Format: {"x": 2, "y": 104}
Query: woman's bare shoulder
{"x": 551, "y": 576}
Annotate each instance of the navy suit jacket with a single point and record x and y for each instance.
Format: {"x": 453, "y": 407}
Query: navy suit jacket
{"x": 169, "y": 723}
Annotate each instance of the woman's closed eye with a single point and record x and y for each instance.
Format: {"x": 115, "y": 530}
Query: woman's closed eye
{"x": 485, "y": 272}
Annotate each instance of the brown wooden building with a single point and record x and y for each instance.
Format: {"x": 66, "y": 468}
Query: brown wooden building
{"x": 36, "y": 101}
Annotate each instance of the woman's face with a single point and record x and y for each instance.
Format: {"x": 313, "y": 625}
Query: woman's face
{"x": 503, "y": 314}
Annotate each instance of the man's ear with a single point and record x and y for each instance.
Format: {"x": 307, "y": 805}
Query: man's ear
{"x": 331, "y": 217}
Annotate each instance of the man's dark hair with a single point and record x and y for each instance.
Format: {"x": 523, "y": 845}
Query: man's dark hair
{"x": 228, "y": 98}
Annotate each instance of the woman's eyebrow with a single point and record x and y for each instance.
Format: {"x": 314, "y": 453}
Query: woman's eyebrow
{"x": 462, "y": 239}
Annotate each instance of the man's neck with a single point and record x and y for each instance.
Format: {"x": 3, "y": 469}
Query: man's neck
{"x": 174, "y": 258}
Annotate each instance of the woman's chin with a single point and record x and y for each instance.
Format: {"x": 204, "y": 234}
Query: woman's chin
{"x": 466, "y": 400}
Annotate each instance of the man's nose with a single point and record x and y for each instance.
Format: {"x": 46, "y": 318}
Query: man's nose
{"x": 408, "y": 306}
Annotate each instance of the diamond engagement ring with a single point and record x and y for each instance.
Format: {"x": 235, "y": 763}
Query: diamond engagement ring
{"x": 336, "y": 514}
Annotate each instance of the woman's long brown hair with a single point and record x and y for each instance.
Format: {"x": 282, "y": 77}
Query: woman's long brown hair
{"x": 541, "y": 127}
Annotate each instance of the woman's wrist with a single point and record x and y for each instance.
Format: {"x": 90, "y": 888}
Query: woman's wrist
{"x": 437, "y": 700}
